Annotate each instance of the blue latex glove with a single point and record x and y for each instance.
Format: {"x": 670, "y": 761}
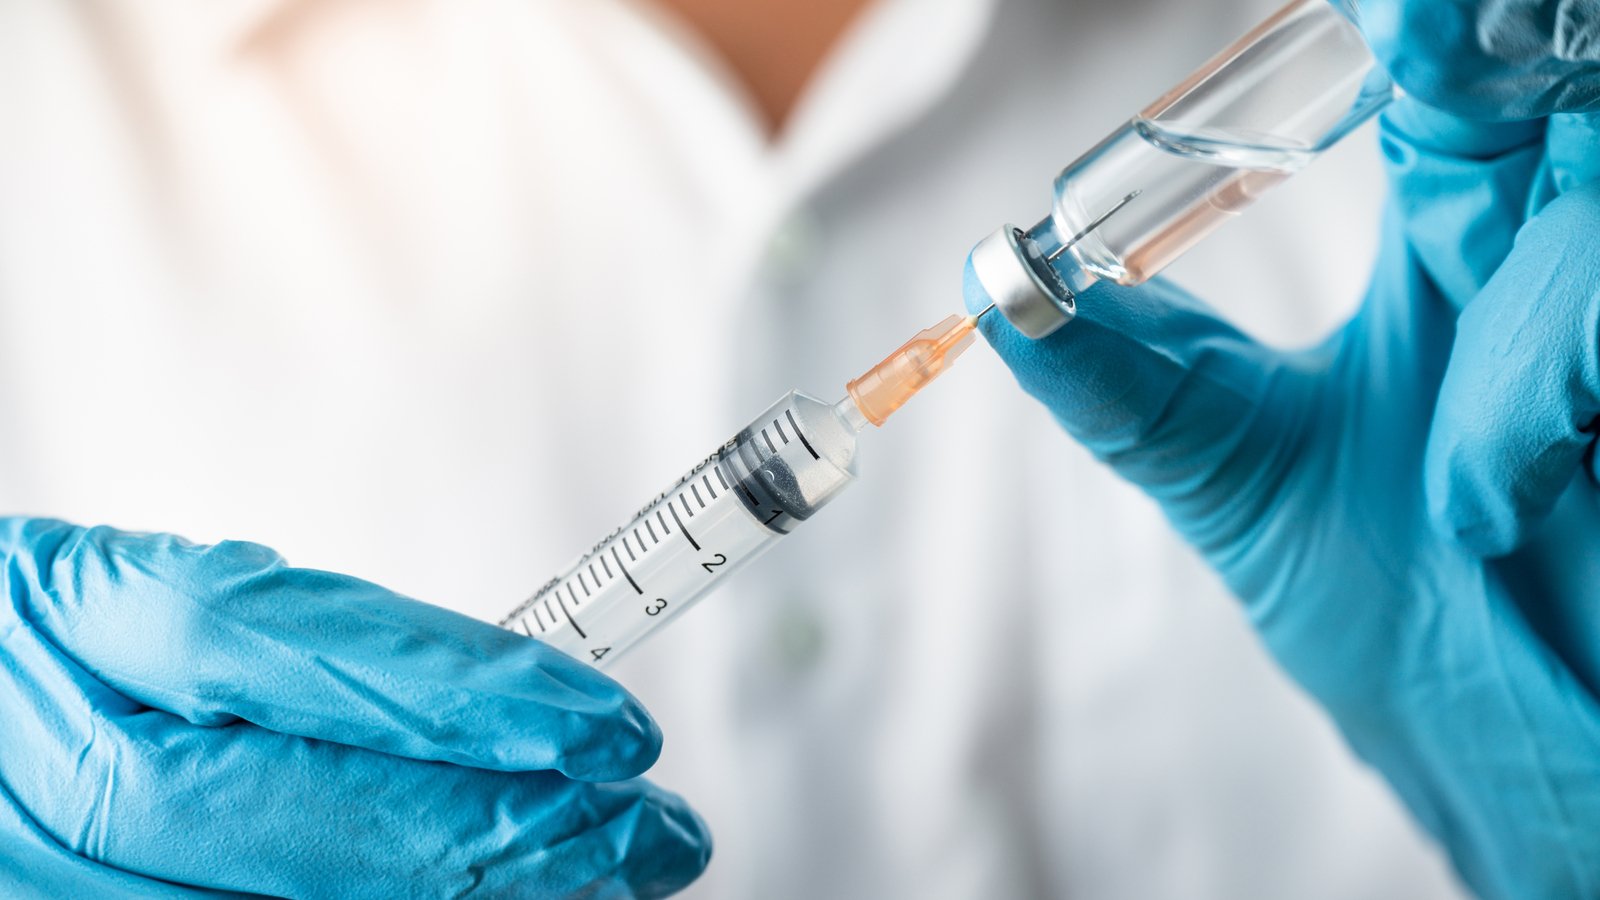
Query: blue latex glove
{"x": 1490, "y": 59}
{"x": 1517, "y": 413}
{"x": 1470, "y": 683}
{"x": 179, "y": 719}
{"x": 1518, "y": 410}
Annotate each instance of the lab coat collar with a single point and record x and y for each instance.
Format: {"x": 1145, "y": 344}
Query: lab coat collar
{"x": 893, "y": 67}
{"x": 890, "y": 70}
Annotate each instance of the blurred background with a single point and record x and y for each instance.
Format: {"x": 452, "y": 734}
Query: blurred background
{"x": 434, "y": 292}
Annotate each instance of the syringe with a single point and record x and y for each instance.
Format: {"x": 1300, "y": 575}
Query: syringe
{"x": 730, "y": 508}
{"x": 1195, "y": 158}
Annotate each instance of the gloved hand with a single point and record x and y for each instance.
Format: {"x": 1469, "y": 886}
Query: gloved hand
{"x": 1471, "y": 683}
{"x": 178, "y": 719}
{"x": 1490, "y": 59}
{"x": 1518, "y": 409}
{"x": 1517, "y": 412}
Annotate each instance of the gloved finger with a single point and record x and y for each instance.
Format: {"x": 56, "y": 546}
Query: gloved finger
{"x": 242, "y": 808}
{"x": 39, "y": 868}
{"x": 1516, "y": 412}
{"x": 1572, "y": 146}
{"x": 225, "y": 632}
{"x": 1153, "y": 383}
{"x": 1489, "y": 59}
{"x": 1461, "y": 188}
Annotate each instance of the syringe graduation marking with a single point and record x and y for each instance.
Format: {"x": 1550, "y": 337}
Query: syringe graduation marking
{"x": 692, "y": 542}
{"x": 626, "y": 574}
{"x": 801, "y": 435}
{"x": 567, "y": 594}
{"x": 571, "y": 619}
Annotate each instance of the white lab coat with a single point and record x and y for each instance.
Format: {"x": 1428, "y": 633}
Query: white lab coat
{"x": 435, "y": 291}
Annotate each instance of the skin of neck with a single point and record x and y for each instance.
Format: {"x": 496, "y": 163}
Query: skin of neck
{"x": 775, "y": 47}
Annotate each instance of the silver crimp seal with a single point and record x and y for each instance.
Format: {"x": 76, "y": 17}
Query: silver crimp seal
{"x": 1018, "y": 288}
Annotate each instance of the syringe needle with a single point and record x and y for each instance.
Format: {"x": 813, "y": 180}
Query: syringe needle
{"x": 1093, "y": 225}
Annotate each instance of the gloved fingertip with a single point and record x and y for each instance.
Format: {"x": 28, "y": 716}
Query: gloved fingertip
{"x": 34, "y": 548}
{"x": 1570, "y": 144}
{"x": 1409, "y": 126}
{"x": 25, "y": 533}
{"x": 1479, "y": 497}
{"x": 10, "y": 532}
{"x": 1470, "y": 519}
{"x": 640, "y": 741}
{"x": 612, "y": 740}
{"x": 680, "y": 844}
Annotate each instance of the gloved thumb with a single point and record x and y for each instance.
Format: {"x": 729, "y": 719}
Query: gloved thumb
{"x": 1518, "y": 406}
{"x": 1156, "y": 385}
{"x": 1570, "y": 142}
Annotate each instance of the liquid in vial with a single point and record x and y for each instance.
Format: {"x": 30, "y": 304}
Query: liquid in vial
{"x": 1189, "y": 182}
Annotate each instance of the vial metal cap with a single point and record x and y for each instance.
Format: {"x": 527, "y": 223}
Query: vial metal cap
{"x": 1034, "y": 306}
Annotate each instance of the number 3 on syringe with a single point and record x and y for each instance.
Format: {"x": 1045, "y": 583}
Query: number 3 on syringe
{"x": 655, "y": 608}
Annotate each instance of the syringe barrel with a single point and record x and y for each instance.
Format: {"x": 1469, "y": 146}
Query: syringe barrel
{"x": 1249, "y": 118}
{"x": 775, "y": 473}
